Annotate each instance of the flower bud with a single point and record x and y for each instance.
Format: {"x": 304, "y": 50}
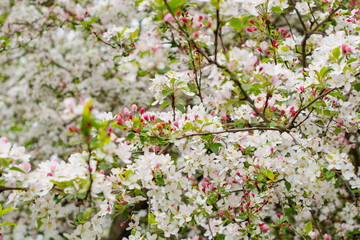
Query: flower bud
{"x": 134, "y": 107}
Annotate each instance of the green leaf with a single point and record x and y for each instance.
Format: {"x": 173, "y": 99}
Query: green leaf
{"x": 352, "y": 60}
{"x": 128, "y": 173}
{"x": 329, "y": 175}
{"x": 17, "y": 169}
{"x": 308, "y": 227}
{"x": 276, "y": 9}
{"x": 163, "y": 71}
{"x": 160, "y": 181}
{"x": 134, "y": 34}
{"x": 180, "y": 107}
{"x": 236, "y": 23}
{"x": 289, "y": 211}
{"x": 87, "y": 214}
{"x": 151, "y": 219}
{"x": 165, "y": 92}
{"x": 357, "y": 87}
{"x": 164, "y": 104}
{"x": 39, "y": 223}
{"x": 82, "y": 194}
{"x": 215, "y": 147}
{"x": 8, "y": 223}
{"x": 175, "y": 4}
{"x": 267, "y": 173}
{"x": 273, "y": 124}
{"x": 130, "y": 136}
{"x": 327, "y": 112}
{"x": 288, "y": 185}
{"x": 6, "y": 210}
{"x": 220, "y": 237}
{"x": 336, "y": 52}
{"x": 285, "y": 48}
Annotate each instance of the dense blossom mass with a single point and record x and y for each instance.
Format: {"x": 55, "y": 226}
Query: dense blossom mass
{"x": 179, "y": 119}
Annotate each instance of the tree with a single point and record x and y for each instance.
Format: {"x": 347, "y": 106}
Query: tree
{"x": 223, "y": 119}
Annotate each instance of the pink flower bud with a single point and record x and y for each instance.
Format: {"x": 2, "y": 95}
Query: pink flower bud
{"x": 168, "y": 18}
{"x": 4, "y": 139}
{"x": 142, "y": 110}
{"x": 348, "y": 49}
{"x": 329, "y": 9}
{"x": 251, "y": 21}
{"x": 157, "y": 165}
{"x": 343, "y": 47}
{"x": 253, "y": 28}
{"x": 326, "y": 236}
{"x": 134, "y": 107}
{"x": 292, "y": 108}
{"x": 196, "y": 34}
{"x": 26, "y": 167}
{"x": 137, "y": 130}
{"x": 221, "y": 213}
{"x": 272, "y": 108}
{"x": 157, "y": 148}
{"x": 302, "y": 88}
{"x": 267, "y": 52}
{"x": 126, "y": 111}
{"x": 223, "y": 117}
{"x": 248, "y": 29}
{"x": 146, "y": 117}
{"x": 101, "y": 171}
{"x": 176, "y": 124}
{"x": 282, "y": 112}
{"x": 123, "y": 203}
{"x": 278, "y": 215}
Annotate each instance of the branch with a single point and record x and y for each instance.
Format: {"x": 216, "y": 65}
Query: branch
{"x": 3, "y": 189}
{"x": 291, "y": 123}
{"x": 229, "y": 131}
{"x": 282, "y": 207}
{"x": 217, "y": 29}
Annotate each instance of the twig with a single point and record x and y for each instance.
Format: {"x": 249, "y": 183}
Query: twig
{"x": 3, "y": 189}
{"x": 282, "y": 207}
{"x": 317, "y": 224}
{"x": 217, "y": 29}
{"x": 229, "y": 131}
{"x": 291, "y": 123}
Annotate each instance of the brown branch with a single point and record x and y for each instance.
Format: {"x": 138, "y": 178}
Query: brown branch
{"x": 292, "y": 228}
{"x": 236, "y": 81}
{"x": 291, "y": 123}
{"x": 217, "y": 29}
{"x": 3, "y": 189}
{"x": 305, "y": 118}
{"x": 101, "y": 40}
{"x": 229, "y": 131}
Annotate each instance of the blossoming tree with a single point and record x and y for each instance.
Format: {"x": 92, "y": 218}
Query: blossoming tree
{"x": 180, "y": 119}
